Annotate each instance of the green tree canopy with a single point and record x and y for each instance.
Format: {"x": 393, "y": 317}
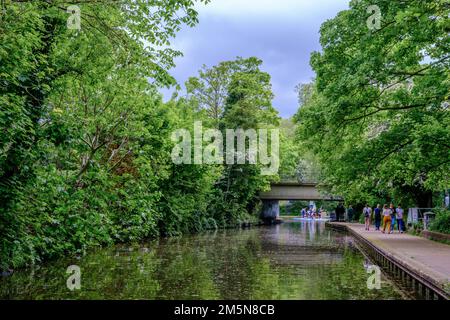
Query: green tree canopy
{"x": 378, "y": 118}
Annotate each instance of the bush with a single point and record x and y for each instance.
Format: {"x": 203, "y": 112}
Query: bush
{"x": 442, "y": 222}
{"x": 417, "y": 228}
{"x": 362, "y": 219}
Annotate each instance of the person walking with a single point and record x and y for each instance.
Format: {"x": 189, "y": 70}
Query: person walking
{"x": 400, "y": 222}
{"x": 350, "y": 213}
{"x": 386, "y": 219}
{"x": 340, "y": 210}
{"x": 377, "y": 216}
{"x": 367, "y": 211}
{"x": 392, "y": 208}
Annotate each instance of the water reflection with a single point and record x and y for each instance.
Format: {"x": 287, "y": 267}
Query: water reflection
{"x": 301, "y": 260}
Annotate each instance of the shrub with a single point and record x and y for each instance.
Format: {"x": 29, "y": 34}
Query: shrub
{"x": 362, "y": 219}
{"x": 442, "y": 222}
{"x": 417, "y": 228}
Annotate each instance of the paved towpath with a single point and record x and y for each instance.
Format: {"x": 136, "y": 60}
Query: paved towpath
{"x": 425, "y": 256}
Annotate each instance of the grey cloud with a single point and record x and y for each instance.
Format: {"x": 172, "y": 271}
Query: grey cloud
{"x": 284, "y": 45}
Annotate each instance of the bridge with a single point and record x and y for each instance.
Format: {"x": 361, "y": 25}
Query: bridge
{"x": 290, "y": 190}
{"x": 295, "y": 191}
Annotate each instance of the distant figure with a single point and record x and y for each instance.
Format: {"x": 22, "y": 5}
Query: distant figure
{"x": 392, "y": 208}
{"x": 400, "y": 222}
{"x": 377, "y": 216}
{"x": 340, "y": 210}
{"x": 386, "y": 219}
{"x": 367, "y": 211}
{"x": 303, "y": 213}
{"x": 350, "y": 213}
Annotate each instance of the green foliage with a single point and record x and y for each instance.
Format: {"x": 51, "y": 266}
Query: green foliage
{"x": 210, "y": 89}
{"x": 248, "y": 106}
{"x": 85, "y": 149}
{"x": 294, "y": 208}
{"x": 289, "y": 151}
{"x": 235, "y": 95}
{"x": 377, "y": 117}
{"x": 361, "y": 219}
{"x": 441, "y": 223}
{"x": 417, "y": 228}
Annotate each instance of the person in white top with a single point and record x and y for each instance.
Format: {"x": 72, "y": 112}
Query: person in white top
{"x": 400, "y": 222}
{"x": 386, "y": 219}
{"x": 367, "y": 211}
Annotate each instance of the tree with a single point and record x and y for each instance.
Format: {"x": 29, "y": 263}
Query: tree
{"x": 378, "y": 118}
{"x": 210, "y": 88}
{"x": 304, "y": 92}
{"x": 248, "y": 106}
{"x": 75, "y": 168}
{"x": 39, "y": 50}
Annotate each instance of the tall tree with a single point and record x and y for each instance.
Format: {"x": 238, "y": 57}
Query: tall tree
{"x": 210, "y": 88}
{"x": 78, "y": 167}
{"x": 378, "y": 118}
{"x": 38, "y": 48}
{"x": 248, "y": 106}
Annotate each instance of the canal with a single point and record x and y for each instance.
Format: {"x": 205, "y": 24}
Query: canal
{"x": 294, "y": 260}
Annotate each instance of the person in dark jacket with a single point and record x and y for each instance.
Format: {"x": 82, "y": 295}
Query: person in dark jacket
{"x": 340, "y": 210}
{"x": 377, "y": 216}
{"x": 350, "y": 213}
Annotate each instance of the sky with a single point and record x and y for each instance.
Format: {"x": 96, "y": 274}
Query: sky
{"x": 282, "y": 33}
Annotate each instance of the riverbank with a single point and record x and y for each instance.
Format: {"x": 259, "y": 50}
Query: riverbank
{"x": 425, "y": 262}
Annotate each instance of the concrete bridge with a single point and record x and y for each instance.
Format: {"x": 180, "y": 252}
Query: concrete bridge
{"x": 292, "y": 190}
{"x": 295, "y": 191}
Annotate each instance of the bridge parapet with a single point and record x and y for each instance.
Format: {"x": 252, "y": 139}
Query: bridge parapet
{"x": 294, "y": 190}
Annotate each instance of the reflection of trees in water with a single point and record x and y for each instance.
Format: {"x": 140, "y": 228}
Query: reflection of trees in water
{"x": 305, "y": 232}
{"x": 111, "y": 273}
{"x": 290, "y": 261}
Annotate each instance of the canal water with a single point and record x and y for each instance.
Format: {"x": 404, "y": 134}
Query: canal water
{"x": 294, "y": 260}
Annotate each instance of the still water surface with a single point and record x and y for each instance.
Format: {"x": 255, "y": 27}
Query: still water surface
{"x": 295, "y": 260}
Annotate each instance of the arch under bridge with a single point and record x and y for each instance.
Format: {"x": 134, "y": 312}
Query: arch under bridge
{"x": 292, "y": 190}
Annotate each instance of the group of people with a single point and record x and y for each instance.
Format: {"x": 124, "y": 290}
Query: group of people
{"x": 311, "y": 213}
{"x": 386, "y": 218}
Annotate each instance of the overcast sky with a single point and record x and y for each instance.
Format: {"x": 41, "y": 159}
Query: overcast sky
{"x": 282, "y": 33}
